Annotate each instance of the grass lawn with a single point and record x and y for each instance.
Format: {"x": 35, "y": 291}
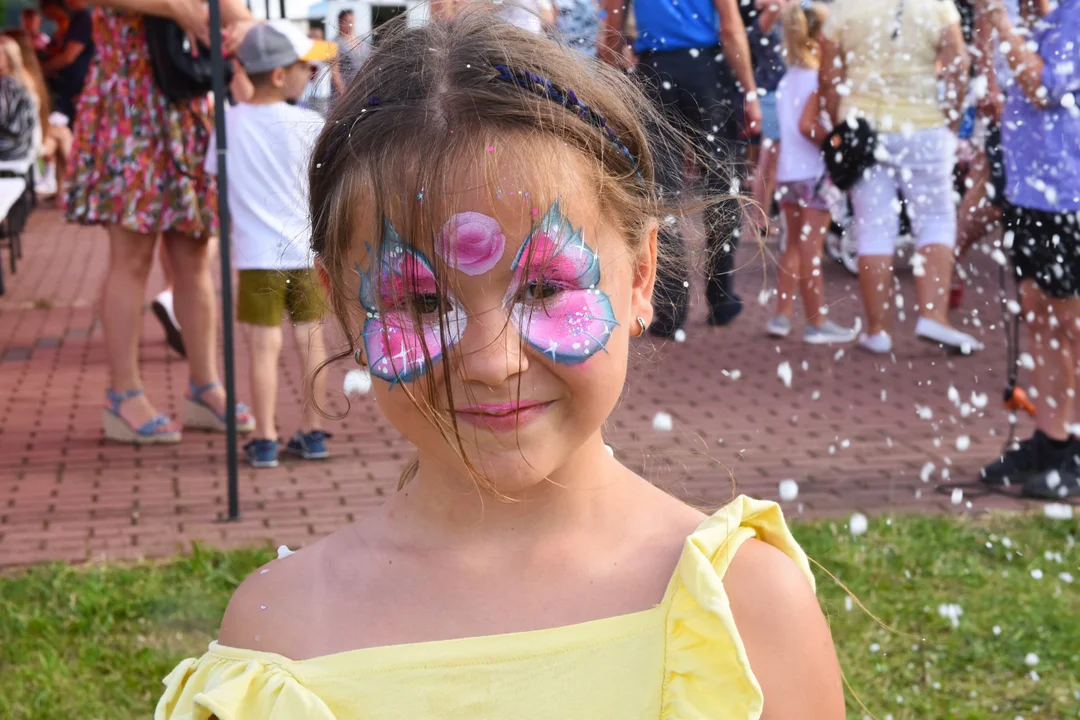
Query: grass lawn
{"x": 94, "y": 642}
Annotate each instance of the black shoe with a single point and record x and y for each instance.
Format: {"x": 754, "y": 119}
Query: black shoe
{"x": 172, "y": 332}
{"x": 1030, "y": 457}
{"x": 1053, "y": 484}
{"x": 724, "y": 314}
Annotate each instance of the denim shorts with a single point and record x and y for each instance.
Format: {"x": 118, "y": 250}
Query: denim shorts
{"x": 770, "y": 122}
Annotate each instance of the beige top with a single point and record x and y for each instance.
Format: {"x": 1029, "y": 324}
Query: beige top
{"x": 890, "y": 48}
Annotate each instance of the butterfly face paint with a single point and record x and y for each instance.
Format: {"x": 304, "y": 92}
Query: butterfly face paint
{"x": 471, "y": 242}
{"x": 401, "y": 283}
{"x": 554, "y": 300}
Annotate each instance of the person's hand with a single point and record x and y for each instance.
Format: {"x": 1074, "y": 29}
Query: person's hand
{"x": 992, "y": 105}
{"x": 233, "y": 35}
{"x": 194, "y": 18}
{"x": 752, "y": 117}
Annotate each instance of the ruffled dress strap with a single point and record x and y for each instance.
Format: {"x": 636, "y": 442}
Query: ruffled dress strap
{"x": 707, "y": 674}
{"x": 243, "y": 685}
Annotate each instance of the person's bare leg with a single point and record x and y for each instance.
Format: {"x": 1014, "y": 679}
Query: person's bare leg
{"x": 876, "y": 282}
{"x": 932, "y": 280}
{"x": 311, "y": 344}
{"x": 1054, "y": 374}
{"x": 788, "y": 270}
{"x": 977, "y": 215}
{"x": 265, "y": 353}
{"x": 196, "y": 310}
{"x": 166, "y": 267}
{"x": 120, "y": 310}
{"x": 814, "y": 225}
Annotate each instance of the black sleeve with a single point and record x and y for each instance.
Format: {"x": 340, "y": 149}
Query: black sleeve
{"x": 81, "y": 29}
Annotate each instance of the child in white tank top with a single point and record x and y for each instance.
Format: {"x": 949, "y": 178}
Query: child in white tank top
{"x": 802, "y": 182}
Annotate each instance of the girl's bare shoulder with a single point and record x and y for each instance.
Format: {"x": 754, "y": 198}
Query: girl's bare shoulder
{"x": 280, "y": 607}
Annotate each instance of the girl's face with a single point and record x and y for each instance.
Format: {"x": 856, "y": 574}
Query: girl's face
{"x": 538, "y": 304}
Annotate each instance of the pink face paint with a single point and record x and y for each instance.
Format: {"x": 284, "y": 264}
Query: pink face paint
{"x": 556, "y": 304}
{"x": 401, "y": 283}
{"x": 471, "y": 242}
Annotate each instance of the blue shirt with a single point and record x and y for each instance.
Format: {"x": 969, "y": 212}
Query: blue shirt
{"x": 1042, "y": 146}
{"x": 664, "y": 25}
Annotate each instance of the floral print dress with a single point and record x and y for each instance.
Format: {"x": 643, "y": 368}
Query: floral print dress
{"x": 138, "y": 159}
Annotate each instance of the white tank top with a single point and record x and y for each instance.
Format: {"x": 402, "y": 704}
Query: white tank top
{"x": 800, "y": 159}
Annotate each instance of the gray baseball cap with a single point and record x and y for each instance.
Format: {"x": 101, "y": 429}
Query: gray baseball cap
{"x": 279, "y": 43}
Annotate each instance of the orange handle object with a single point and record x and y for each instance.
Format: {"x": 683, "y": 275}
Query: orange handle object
{"x": 1016, "y": 399}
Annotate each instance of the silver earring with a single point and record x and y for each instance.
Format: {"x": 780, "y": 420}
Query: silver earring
{"x": 642, "y": 325}
{"x": 358, "y": 356}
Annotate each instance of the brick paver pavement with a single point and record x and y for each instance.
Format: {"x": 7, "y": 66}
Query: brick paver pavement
{"x": 856, "y": 432}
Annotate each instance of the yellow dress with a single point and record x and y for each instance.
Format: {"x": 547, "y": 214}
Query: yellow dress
{"x": 680, "y": 660}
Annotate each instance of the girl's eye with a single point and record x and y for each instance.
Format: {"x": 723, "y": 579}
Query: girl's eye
{"x": 536, "y": 290}
{"x": 427, "y": 304}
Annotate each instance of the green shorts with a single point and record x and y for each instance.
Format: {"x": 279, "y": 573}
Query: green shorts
{"x": 264, "y": 295}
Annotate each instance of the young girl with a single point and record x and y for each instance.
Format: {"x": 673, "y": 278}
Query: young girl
{"x": 485, "y": 212}
{"x": 802, "y": 182}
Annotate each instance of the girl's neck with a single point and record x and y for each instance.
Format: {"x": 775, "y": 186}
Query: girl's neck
{"x": 437, "y": 508}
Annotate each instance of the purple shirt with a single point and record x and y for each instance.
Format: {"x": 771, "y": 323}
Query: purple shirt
{"x": 1042, "y": 147}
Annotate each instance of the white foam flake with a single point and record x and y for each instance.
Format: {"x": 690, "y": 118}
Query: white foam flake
{"x": 951, "y": 612}
{"x": 963, "y": 443}
{"x": 979, "y": 400}
{"x": 1037, "y": 574}
{"x": 680, "y": 335}
{"x": 858, "y": 524}
{"x": 789, "y": 490}
{"x": 1065, "y": 577}
{"x": 1026, "y": 361}
{"x": 997, "y": 629}
{"x": 283, "y": 551}
{"x": 1058, "y": 511}
{"x": 926, "y": 472}
{"x": 1031, "y": 659}
{"x": 783, "y": 371}
{"x": 848, "y": 604}
{"x": 662, "y": 422}
{"x": 957, "y": 496}
{"x": 357, "y": 382}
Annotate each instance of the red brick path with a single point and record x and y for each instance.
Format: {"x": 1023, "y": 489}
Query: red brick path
{"x": 847, "y": 430}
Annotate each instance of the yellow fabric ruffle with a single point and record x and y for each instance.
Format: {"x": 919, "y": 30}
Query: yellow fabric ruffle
{"x": 706, "y": 667}
{"x": 229, "y": 689}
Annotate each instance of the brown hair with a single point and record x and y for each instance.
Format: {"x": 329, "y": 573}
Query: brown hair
{"x": 801, "y": 26}
{"x": 428, "y": 102}
{"x": 30, "y": 74}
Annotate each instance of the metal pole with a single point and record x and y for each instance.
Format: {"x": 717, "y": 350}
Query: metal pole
{"x": 218, "y": 57}
{"x": 281, "y": 5}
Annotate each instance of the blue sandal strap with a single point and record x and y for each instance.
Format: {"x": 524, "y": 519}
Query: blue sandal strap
{"x": 197, "y": 391}
{"x": 116, "y": 399}
{"x": 151, "y": 426}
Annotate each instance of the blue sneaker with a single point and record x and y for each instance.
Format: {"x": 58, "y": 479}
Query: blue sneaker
{"x": 310, "y": 446}
{"x": 262, "y": 453}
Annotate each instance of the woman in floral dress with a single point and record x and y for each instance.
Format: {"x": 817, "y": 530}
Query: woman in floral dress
{"x": 137, "y": 169}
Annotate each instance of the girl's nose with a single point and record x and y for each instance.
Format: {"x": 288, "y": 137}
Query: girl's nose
{"x": 490, "y": 350}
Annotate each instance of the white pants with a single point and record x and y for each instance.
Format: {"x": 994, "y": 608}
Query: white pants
{"x": 920, "y": 166}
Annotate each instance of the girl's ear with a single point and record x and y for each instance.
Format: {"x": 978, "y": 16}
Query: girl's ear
{"x": 645, "y": 273}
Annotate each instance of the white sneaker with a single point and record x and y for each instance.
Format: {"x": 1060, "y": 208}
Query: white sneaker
{"x": 933, "y": 331}
{"x": 828, "y": 334}
{"x": 880, "y": 343}
{"x": 779, "y": 326}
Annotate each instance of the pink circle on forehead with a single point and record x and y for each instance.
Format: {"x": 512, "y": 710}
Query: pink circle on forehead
{"x": 471, "y": 242}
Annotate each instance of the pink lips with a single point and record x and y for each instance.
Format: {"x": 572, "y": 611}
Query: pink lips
{"x": 504, "y": 417}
